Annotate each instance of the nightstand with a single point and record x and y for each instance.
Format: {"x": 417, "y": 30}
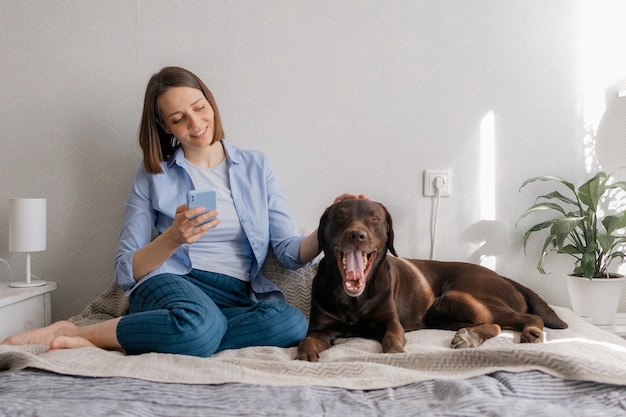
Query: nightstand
{"x": 23, "y": 309}
{"x": 618, "y": 327}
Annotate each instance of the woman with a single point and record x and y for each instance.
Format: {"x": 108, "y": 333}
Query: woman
{"x": 196, "y": 288}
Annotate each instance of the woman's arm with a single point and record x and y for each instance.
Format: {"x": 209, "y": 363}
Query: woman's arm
{"x": 184, "y": 229}
{"x": 309, "y": 248}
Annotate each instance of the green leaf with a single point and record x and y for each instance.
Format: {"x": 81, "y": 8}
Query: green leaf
{"x": 549, "y": 178}
{"x": 614, "y": 222}
{"x": 590, "y": 192}
{"x": 588, "y": 264}
{"x": 555, "y": 195}
{"x": 543, "y": 207}
{"x": 619, "y": 255}
{"x": 606, "y": 242}
{"x": 544, "y": 252}
{"x": 536, "y": 228}
{"x": 562, "y": 228}
{"x": 570, "y": 250}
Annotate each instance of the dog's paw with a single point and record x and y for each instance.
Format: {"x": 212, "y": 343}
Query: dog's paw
{"x": 309, "y": 349}
{"x": 394, "y": 349}
{"x": 393, "y": 343}
{"x": 308, "y": 356}
{"x": 532, "y": 334}
{"x": 465, "y": 338}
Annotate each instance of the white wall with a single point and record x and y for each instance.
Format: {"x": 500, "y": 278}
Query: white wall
{"x": 357, "y": 96}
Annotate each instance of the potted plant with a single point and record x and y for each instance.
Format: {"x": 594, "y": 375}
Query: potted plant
{"x": 593, "y": 239}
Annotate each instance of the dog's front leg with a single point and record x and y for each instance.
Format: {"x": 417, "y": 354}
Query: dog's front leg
{"x": 393, "y": 341}
{"x": 311, "y": 346}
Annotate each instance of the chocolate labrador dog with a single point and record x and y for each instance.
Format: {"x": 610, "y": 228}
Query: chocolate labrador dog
{"x": 360, "y": 291}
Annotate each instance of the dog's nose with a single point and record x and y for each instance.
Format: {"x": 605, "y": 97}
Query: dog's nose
{"x": 357, "y": 235}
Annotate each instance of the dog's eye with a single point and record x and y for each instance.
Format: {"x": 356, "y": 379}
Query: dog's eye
{"x": 341, "y": 217}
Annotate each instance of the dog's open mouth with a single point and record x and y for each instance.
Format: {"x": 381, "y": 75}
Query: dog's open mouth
{"x": 354, "y": 267}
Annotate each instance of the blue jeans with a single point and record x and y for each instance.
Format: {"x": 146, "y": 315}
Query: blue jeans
{"x": 202, "y": 313}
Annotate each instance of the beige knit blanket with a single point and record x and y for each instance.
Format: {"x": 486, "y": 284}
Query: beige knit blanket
{"x": 582, "y": 352}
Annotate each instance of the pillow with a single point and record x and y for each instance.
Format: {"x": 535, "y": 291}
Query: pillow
{"x": 295, "y": 284}
{"x": 110, "y": 304}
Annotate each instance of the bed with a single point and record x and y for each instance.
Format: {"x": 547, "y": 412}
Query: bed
{"x": 578, "y": 371}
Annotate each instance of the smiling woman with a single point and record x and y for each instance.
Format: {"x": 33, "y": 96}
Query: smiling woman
{"x": 188, "y": 116}
{"x": 184, "y": 95}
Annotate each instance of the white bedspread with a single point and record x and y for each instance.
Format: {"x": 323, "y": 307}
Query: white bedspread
{"x": 581, "y": 352}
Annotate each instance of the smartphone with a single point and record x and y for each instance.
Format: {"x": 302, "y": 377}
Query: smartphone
{"x": 206, "y": 197}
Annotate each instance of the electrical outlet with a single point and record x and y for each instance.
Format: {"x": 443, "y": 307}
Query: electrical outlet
{"x": 441, "y": 177}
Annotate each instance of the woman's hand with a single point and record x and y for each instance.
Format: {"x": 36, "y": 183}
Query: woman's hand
{"x": 184, "y": 229}
{"x": 346, "y": 196}
{"x": 187, "y": 226}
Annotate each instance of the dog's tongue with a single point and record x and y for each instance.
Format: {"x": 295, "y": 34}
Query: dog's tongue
{"x": 354, "y": 265}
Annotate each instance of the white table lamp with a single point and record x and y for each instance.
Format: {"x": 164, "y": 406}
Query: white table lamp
{"x": 27, "y": 232}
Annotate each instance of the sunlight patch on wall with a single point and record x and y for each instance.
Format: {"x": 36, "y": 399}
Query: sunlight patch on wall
{"x": 487, "y": 168}
{"x": 602, "y": 62}
{"x": 487, "y": 178}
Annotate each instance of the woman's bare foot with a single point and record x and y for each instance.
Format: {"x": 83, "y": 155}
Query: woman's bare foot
{"x": 43, "y": 336}
{"x": 70, "y": 342}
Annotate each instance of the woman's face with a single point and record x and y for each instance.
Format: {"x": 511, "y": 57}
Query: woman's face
{"x": 187, "y": 114}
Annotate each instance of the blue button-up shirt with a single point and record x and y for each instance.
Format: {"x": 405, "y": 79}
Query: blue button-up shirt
{"x": 262, "y": 209}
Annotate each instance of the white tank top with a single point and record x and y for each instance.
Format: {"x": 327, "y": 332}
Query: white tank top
{"x": 225, "y": 248}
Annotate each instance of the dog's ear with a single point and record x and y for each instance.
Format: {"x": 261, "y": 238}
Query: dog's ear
{"x": 390, "y": 235}
{"x": 321, "y": 240}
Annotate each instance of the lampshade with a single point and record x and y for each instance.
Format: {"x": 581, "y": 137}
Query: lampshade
{"x": 27, "y": 231}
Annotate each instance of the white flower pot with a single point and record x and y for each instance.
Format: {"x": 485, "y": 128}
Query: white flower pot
{"x": 596, "y": 300}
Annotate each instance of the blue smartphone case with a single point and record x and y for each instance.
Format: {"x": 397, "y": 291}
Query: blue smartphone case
{"x": 206, "y": 197}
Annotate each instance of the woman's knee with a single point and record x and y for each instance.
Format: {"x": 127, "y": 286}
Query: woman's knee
{"x": 300, "y": 324}
{"x": 199, "y": 333}
{"x": 187, "y": 329}
{"x": 289, "y": 322}
{"x": 267, "y": 323}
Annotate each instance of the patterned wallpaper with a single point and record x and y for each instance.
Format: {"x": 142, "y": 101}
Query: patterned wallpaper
{"x": 344, "y": 95}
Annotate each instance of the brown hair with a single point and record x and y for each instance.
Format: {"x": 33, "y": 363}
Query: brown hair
{"x": 156, "y": 144}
